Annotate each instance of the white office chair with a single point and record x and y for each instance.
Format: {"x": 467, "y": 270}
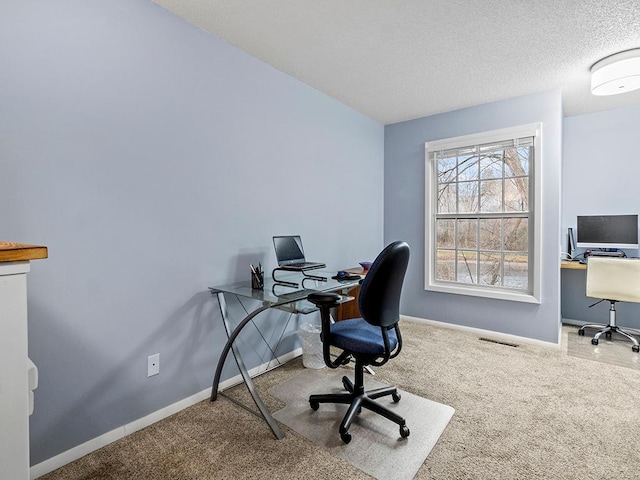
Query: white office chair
{"x": 613, "y": 280}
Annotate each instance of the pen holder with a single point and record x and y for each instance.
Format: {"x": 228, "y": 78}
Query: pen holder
{"x": 257, "y": 280}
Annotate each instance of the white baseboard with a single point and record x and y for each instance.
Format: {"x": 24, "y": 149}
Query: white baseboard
{"x": 577, "y": 323}
{"x": 506, "y": 337}
{"x": 105, "y": 439}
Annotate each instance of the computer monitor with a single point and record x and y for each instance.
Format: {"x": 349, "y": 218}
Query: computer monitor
{"x": 608, "y": 231}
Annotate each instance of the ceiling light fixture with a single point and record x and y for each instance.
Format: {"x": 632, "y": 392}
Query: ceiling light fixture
{"x": 617, "y": 73}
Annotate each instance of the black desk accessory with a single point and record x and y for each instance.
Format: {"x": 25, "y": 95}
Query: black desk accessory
{"x": 257, "y": 277}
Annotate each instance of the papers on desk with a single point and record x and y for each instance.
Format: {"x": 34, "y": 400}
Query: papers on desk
{"x": 357, "y": 271}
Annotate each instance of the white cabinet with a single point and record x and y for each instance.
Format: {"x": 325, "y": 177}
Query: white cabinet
{"x": 16, "y": 371}
{"x": 14, "y": 383}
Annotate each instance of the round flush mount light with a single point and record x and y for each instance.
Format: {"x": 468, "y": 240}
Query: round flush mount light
{"x": 618, "y": 73}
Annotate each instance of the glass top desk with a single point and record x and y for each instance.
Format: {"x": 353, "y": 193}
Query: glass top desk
{"x": 274, "y": 295}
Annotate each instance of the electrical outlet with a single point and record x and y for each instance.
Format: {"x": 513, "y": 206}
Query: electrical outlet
{"x": 153, "y": 365}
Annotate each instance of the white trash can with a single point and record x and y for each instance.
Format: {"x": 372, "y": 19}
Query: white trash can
{"x": 311, "y": 345}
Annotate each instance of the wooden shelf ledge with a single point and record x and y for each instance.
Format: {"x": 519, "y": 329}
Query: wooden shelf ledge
{"x": 17, "y": 252}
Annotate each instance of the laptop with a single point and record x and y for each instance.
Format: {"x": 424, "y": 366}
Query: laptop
{"x": 290, "y": 254}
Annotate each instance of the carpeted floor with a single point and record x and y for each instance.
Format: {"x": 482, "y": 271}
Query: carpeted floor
{"x": 521, "y": 412}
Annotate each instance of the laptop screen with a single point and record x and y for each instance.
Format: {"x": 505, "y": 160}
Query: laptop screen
{"x": 288, "y": 249}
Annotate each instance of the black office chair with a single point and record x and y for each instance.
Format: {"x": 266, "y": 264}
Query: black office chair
{"x": 373, "y": 339}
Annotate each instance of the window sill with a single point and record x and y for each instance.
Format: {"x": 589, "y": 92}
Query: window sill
{"x": 475, "y": 291}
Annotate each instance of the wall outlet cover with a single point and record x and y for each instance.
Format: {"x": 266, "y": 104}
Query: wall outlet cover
{"x": 153, "y": 365}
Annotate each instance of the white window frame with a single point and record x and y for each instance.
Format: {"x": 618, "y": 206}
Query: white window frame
{"x": 535, "y": 216}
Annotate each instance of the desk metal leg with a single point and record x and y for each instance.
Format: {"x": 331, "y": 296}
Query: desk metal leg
{"x": 238, "y": 358}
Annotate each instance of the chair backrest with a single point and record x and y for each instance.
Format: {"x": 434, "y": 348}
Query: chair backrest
{"x": 379, "y": 299}
{"x": 613, "y": 279}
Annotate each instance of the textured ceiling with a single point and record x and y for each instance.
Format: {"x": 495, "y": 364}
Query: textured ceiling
{"x": 398, "y": 60}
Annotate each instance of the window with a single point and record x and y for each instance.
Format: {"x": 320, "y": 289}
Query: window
{"x": 482, "y": 228}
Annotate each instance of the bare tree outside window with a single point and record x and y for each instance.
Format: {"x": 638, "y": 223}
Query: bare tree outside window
{"x": 482, "y": 215}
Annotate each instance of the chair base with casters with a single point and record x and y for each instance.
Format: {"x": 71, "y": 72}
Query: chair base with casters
{"x": 373, "y": 339}
{"x": 611, "y": 328}
{"x": 357, "y": 398}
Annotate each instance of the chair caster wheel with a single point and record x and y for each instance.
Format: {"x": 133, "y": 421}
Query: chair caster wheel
{"x": 594, "y": 341}
{"x": 346, "y": 437}
{"x": 404, "y": 431}
{"x": 636, "y": 348}
{"x": 581, "y": 333}
{"x": 608, "y": 335}
{"x": 396, "y": 397}
{"x": 314, "y": 405}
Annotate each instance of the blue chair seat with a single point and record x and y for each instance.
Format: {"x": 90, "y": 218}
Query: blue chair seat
{"x": 358, "y": 336}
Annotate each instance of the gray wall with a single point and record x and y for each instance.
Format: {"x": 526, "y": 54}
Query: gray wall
{"x": 405, "y": 206}
{"x": 601, "y": 170}
{"x": 153, "y": 159}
